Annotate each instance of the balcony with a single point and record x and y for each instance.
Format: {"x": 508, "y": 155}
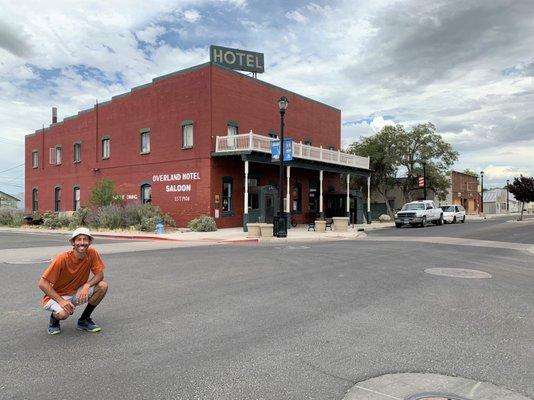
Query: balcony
{"x": 249, "y": 142}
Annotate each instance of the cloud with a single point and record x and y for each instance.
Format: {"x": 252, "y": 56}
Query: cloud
{"x": 191, "y": 15}
{"x": 13, "y": 40}
{"x": 150, "y": 34}
{"x": 296, "y": 16}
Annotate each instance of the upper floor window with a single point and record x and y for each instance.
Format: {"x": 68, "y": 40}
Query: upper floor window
{"x": 273, "y": 134}
{"x": 331, "y": 147}
{"x": 307, "y": 141}
{"x": 35, "y": 159}
{"x": 105, "y": 147}
{"x": 77, "y": 152}
{"x": 58, "y": 155}
{"x": 145, "y": 141}
{"x": 187, "y": 134}
{"x": 35, "y": 199}
{"x": 76, "y": 198}
{"x": 146, "y": 193}
{"x": 232, "y": 128}
{"x": 57, "y": 199}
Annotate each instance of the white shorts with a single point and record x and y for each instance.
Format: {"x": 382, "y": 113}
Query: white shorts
{"x": 53, "y": 306}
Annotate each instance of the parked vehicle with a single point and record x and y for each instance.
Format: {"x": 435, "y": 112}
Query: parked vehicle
{"x": 453, "y": 213}
{"x": 418, "y": 213}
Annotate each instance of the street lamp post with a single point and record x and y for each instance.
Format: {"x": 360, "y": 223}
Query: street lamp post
{"x": 282, "y": 221}
{"x": 424, "y": 179}
{"x": 507, "y": 196}
{"x": 482, "y": 191}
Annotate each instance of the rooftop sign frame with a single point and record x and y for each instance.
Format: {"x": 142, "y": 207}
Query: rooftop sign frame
{"x": 241, "y": 60}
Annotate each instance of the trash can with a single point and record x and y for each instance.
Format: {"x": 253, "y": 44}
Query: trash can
{"x": 159, "y": 229}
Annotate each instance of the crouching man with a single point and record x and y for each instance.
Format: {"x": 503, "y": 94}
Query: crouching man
{"x": 66, "y": 283}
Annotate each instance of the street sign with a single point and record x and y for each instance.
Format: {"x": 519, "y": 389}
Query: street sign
{"x": 421, "y": 181}
{"x": 288, "y": 150}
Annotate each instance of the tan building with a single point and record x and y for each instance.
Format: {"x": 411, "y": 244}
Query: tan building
{"x": 464, "y": 191}
{"x": 8, "y": 201}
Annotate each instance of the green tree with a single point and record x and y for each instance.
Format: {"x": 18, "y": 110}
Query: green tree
{"x": 103, "y": 193}
{"x": 422, "y": 145}
{"x": 470, "y": 172}
{"x": 523, "y": 190}
{"x": 384, "y": 153}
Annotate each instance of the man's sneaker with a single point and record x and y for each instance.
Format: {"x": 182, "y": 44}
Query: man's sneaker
{"x": 53, "y": 326}
{"x": 88, "y": 325}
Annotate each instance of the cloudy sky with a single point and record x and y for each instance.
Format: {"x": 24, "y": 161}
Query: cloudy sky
{"x": 466, "y": 66}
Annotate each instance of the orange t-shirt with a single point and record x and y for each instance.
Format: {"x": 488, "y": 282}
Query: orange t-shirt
{"x": 67, "y": 273}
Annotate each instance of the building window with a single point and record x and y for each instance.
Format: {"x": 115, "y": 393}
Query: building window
{"x": 273, "y": 134}
{"x": 145, "y": 141}
{"x": 313, "y": 196}
{"x": 296, "y": 198}
{"x": 227, "y": 194}
{"x": 187, "y": 134}
{"x": 58, "y": 155}
{"x": 35, "y": 200}
{"x": 77, "y": 152}
{"x": 57, "y": 199}
{"x": 307, "y": 141}
{"x": 331, "y": 147}
{"x": 232, "y": 128}
{"x": 35, "y": 159}
{"x": 105, "y": 148}
{"x": 76, "y": 198}
{"x": 146, "y": 193}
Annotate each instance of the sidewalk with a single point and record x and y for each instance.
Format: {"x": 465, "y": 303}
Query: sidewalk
{"x": 227, "y": 235}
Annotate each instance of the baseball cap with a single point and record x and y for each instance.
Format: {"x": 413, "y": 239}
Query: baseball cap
{"x": 81, "y": 231}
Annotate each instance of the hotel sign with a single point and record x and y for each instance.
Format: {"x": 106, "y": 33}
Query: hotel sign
{"x": 237, "y": 59}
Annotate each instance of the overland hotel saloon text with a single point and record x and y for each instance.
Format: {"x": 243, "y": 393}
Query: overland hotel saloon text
{"x": 237, "y": 59}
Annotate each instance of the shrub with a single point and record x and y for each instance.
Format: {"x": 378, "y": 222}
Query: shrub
{"x": 145, "y": 217}
{"x": 103, "y": 193}
{"x": 11, "y": 217}
{"x": 109, "y": 217}
{"x": 53, "y": 220}
{"x": 384, "y": 218}
{"x": 79, "y": 218}
{"x": 204, "y": 223}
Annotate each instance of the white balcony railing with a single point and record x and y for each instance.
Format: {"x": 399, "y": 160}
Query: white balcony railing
{"x": 253, "y": 142}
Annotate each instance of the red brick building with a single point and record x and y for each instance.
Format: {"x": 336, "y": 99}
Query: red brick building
{"x": 183, "y": 142}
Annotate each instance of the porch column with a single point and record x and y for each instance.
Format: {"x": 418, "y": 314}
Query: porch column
{"x": 321, "y": 213}
{"x": 369, "y": 199}
{"x": 245, "y": 212}
{"x": 288, "y": 200}
{"x": 348, "y": 196}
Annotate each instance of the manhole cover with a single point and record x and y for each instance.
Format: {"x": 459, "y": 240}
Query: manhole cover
{"x": 458, "y": 273}
{"x": 435, "y": 396}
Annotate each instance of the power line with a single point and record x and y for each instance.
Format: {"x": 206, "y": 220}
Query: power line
{"x": 9, "y": 169}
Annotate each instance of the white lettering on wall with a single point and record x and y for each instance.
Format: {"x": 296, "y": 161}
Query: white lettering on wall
{"x": 178, "y": 188}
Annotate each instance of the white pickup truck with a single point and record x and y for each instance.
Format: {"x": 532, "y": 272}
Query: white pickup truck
{"x": 419, "y": 213}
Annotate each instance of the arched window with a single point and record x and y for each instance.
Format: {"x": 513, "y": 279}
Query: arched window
{"x": 57, "y": 199}
{"x": 35, "y": 199}
{"x": 76, "y": 198}
{"x": 146, "y": 193}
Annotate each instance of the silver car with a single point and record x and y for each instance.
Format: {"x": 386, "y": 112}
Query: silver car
{"x": 453, "y": 213}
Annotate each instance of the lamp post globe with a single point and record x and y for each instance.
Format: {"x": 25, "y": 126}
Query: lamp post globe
{"x": 281, "y": 230}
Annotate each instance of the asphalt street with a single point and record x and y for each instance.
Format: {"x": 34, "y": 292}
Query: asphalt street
{"x": 268, "y": 321}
